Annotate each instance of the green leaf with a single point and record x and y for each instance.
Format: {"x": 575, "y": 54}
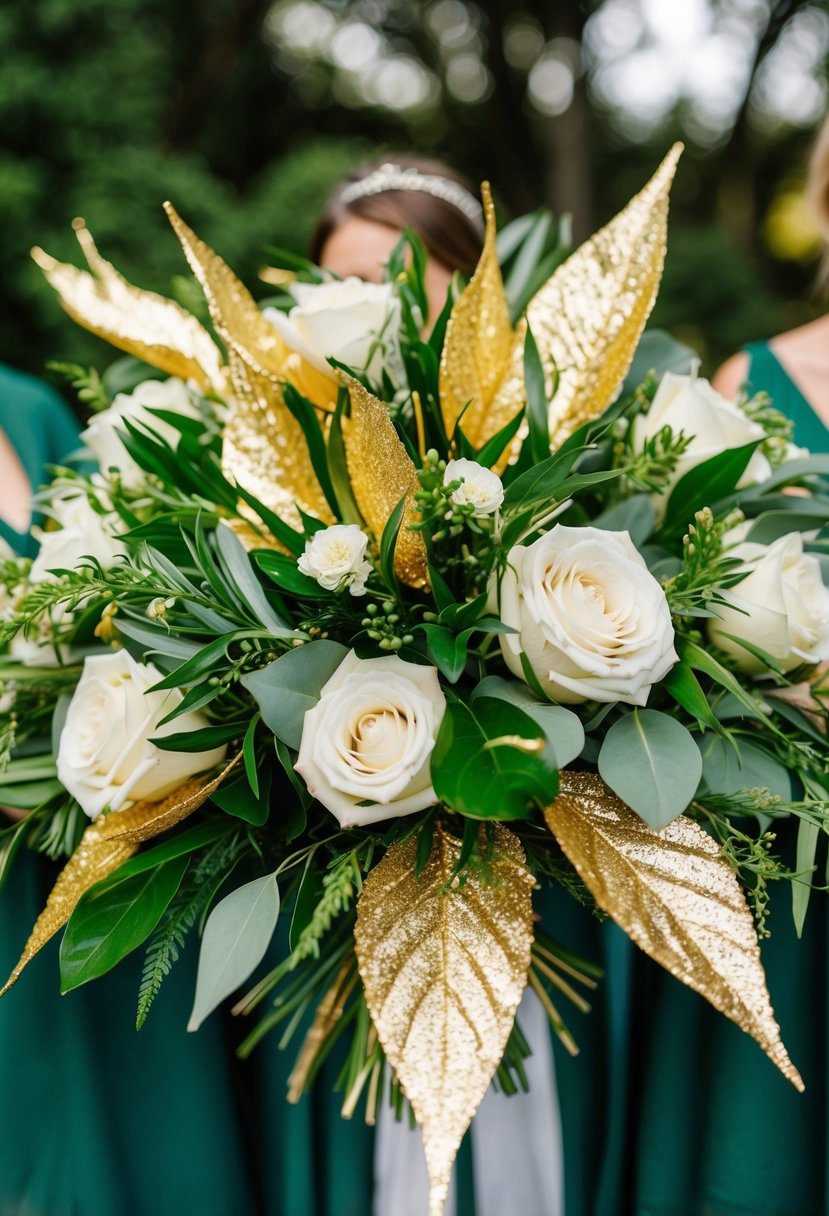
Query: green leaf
{"x": 705, "y": 485}
{"x": 534, "y": 381}
{"x": 288, "y": 687}
{"x": 701, "y": 660}
{"x": 114, "y": 918}
{"x": 249, "y": 755}
{"x": 731, "y": 766}
{"x": 236, "y": 797}
{"x": 801, "y": 517}
{"x": 494, "y": 448}
{"x": 479, "y": 771}
{"x": 686, "y": 690}
{"x": 657, "y": 352}
{"x": 180, "y": 845}
{"x": 239, "y": 571}
{"x": 807, "y": 838}
{"x": 349, "y": 512}
{"x": 156, "y": 641}
{"x": 388, "y": 543}
{"x": 306, "y": 416}
{"x": 203, "y": 740}
{"x": 447, "y": 650}
{"x": 652, "y": 763}
{"x": 562, "y": 728}
{"x": 634, "y": 515}
{"x": 236, "y": 936}
{"x": 307, "y": 898}
{"x": 284, "y": 571}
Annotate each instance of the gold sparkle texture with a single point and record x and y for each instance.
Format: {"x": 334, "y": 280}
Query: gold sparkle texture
{"x": 264, "y": 449}
{"x": 242, "y": 326}
{"x": 444, "y": 966}
{"x": 139, "y": 322}
{"x": 676, "y": 896}
{"x": 96, "y": 857}
{"x": 105, "y": 845}
{"x": 381, "y": 472}
{"x": 478, "y": 349}
{"x": 588, "y": 317}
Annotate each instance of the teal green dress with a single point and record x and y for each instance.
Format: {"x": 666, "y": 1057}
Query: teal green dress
{"x": 720, "y": 1132}
{"x": 98, "y": 1120}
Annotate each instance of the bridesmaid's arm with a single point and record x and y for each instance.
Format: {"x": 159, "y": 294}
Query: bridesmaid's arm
{"x": 730, "y": 378}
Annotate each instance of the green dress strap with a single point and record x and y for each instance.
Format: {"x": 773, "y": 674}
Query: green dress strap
{"x": 767, "y": 373}
{"x": 41, "y": 429}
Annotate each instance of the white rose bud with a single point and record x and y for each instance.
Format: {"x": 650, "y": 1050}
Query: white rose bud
{"x": 105, "y": 757}
{"x": 714, "y": 424}
{"x": 102, "y": 438}
{"x": 336, "y": 558}
{"x": 592, "y": 620}
{"x": 781, "y": 606}
{"x": 367, "y": 744}
{"x": 354, "y": 322}
{"x": 479, "y": 486}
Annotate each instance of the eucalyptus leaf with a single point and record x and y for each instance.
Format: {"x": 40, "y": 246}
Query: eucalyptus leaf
{"x": 236, "y": 937}
{"x": 287, "y": 688}
{"x": 808, "y": 834}
{"x": 563, "y": 728}
{"x": 728, "y": 768}
{"x": 114, "y": 918}
{"x": 652, "y": 762}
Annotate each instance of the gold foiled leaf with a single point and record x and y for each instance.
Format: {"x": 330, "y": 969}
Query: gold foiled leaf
{"x": 265, "y": 451}
{"x": 241, "y": 324}
{"x": 478, "y": 348}
{"x": 104, "y": 847}
{"x": 144, "y": 820}
{"x": 139, "y": 322}
{"x": 381, "y": 472}
{"x": 676, "y": 896}
{"x": 96, "y": 857}
{"x": 444, "y": 965}
{"x": 588, "y": 317}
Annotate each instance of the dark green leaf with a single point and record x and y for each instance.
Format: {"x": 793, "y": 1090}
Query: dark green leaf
{"x": 388, "y": 543}
{"x": 113, "y": 919}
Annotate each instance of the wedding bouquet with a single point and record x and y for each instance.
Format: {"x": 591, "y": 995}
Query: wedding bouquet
{"x": 386, "y": 630}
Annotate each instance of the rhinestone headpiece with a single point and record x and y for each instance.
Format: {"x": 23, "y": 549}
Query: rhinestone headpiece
{"x": 395, "y": 177}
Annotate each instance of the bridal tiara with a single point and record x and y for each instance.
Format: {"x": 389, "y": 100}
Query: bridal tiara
{"x": 395, "y": 177}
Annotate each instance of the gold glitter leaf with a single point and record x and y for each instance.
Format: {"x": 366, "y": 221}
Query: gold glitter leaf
{"x": 381, "y": 472}
{"x": 140, "y": 322}
{"x": 676, "y": 896}
{"x": 478, "y": 348}
{"x": 241, "y": 325}
{"x": 144, "y": 820}
{"x": 95, "y": 858}
{"x": 444, "y": 966}
{"x": 265, "y": 450}
{"x": 588, "y": 317}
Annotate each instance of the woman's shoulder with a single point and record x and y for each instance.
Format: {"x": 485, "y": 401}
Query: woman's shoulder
{"x": 38, "y": 422}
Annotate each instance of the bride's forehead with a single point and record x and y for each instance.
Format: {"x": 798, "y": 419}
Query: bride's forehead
{"x": 359, "y": 247}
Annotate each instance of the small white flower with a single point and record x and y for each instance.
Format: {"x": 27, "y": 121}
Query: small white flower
{"x": 336, "y": 558}
{"x": 479, "y": 486}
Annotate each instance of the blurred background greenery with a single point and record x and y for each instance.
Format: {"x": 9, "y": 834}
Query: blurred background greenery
{"x": 245, "y": 112}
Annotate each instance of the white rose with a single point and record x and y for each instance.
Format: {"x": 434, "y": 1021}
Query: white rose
{"x": 81, "y": 532}
{"x": 479, "y": 486}
{"x": 591, "y": 618}
{"x": 354, "y": 322}
{"x": 102, "y": 438}
{"x": 105, "y": 758}
{"x": 369, "y": 739}
{"x": 336, "y": 557}
{"x": 713, "y": 424}
{"x": 781, "y": 606}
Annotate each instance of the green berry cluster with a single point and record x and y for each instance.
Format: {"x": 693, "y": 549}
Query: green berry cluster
{"x": 382, "y": 624}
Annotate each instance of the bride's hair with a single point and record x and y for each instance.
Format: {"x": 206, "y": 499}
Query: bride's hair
{"x": 818, "y": 193}
{"x": 437, "y": 204}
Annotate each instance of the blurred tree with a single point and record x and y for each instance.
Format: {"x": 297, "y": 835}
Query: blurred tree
{"x": 245, "y": 112}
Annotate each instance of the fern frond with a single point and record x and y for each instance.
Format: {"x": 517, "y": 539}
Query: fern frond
{"x": 200, "y": 884}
